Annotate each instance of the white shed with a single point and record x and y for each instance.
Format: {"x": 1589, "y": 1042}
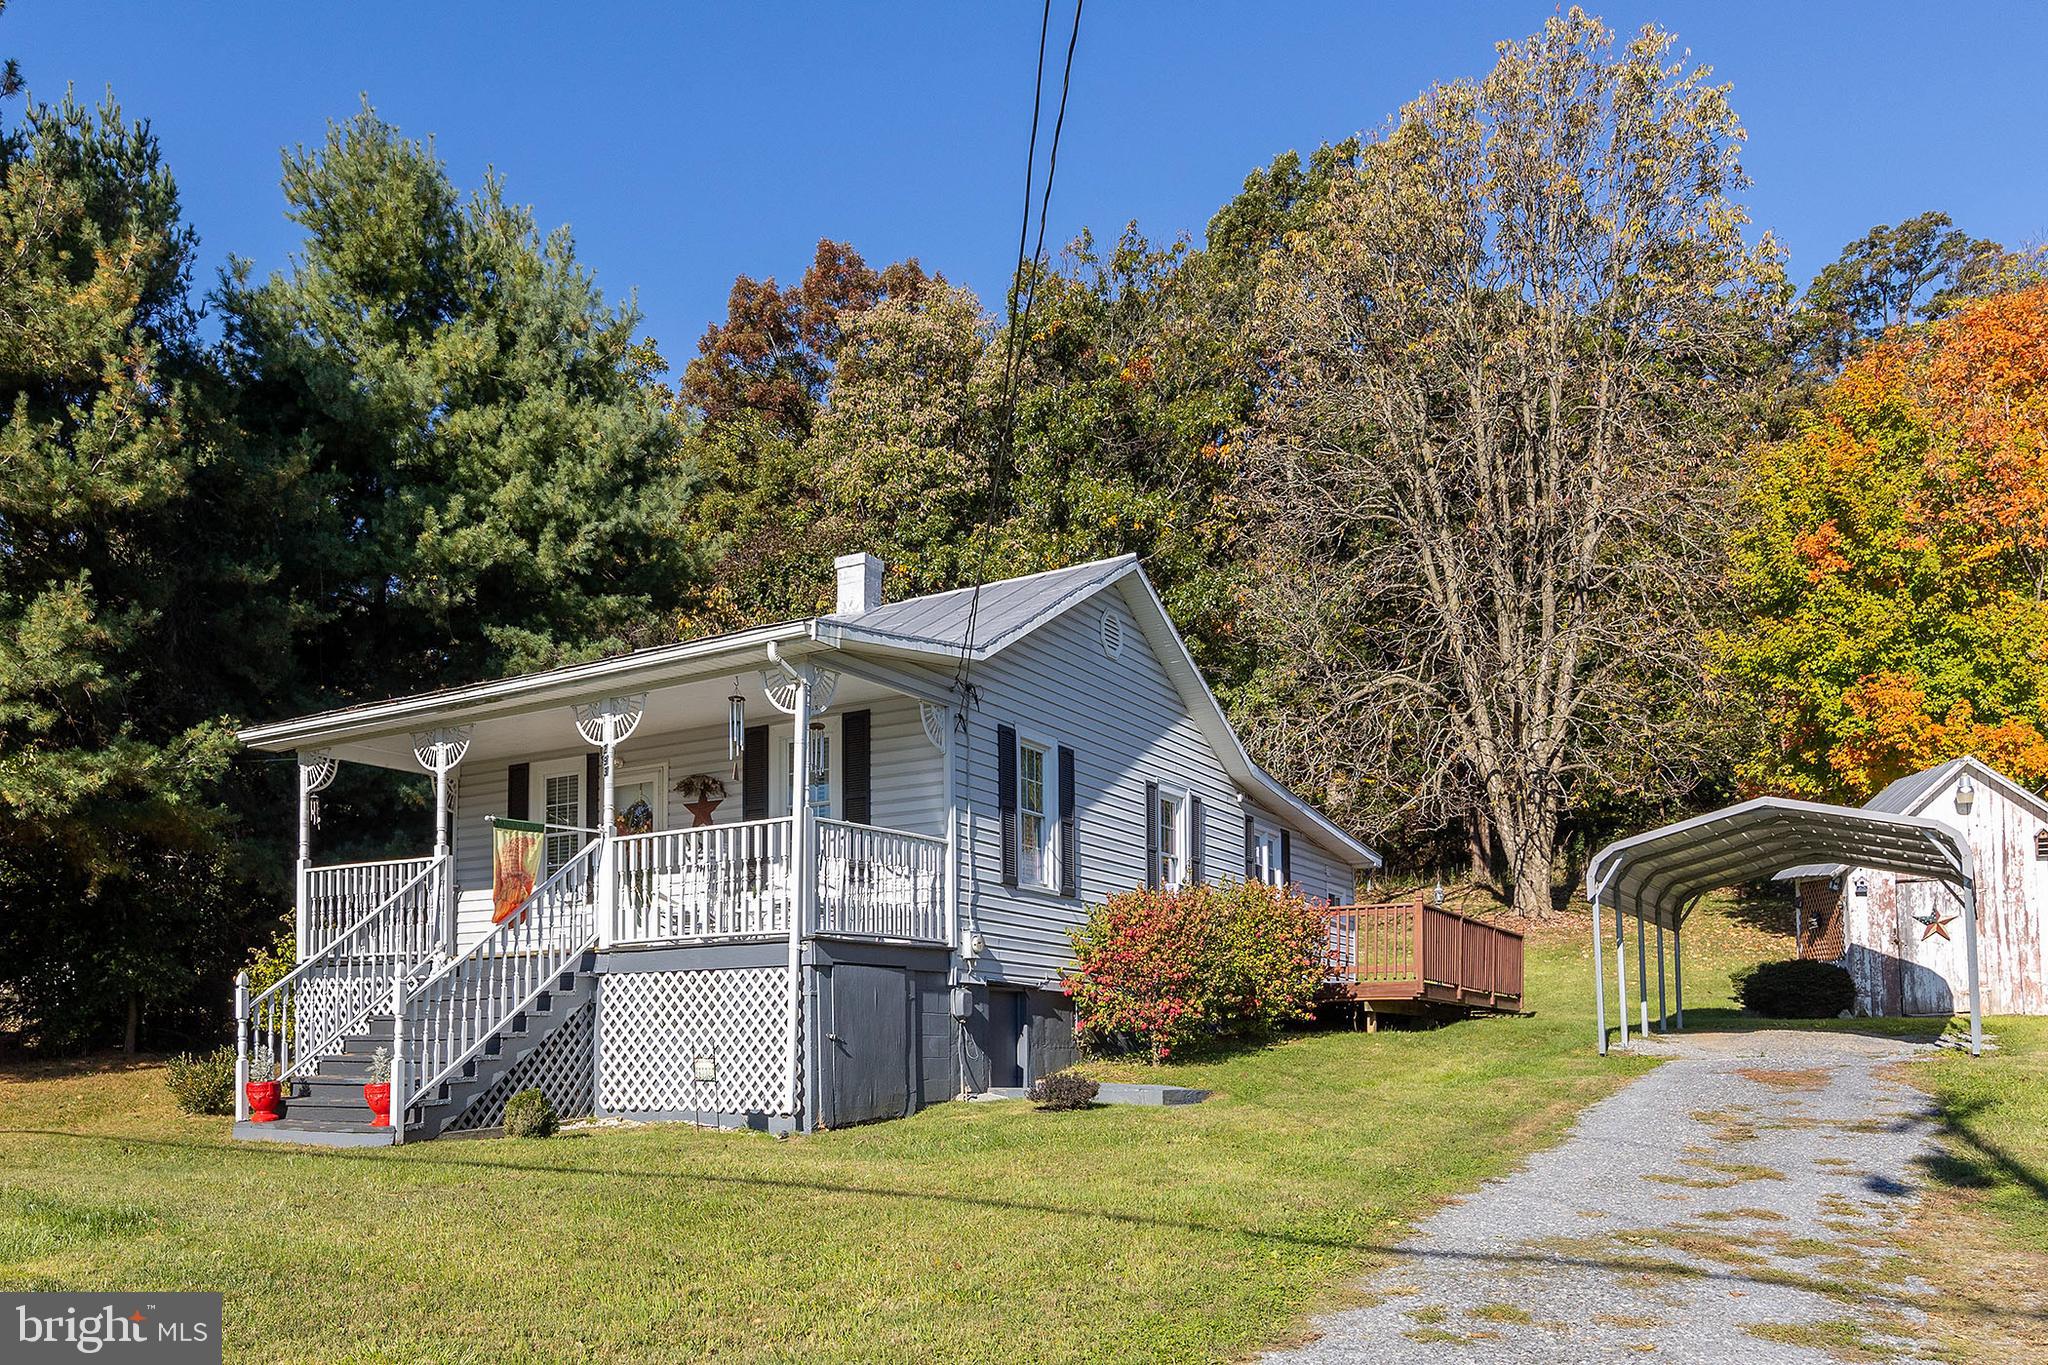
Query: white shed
{"x": 1901, "y": 936}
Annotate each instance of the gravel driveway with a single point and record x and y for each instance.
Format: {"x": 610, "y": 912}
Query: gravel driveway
{"x": 1739, "y": 1203}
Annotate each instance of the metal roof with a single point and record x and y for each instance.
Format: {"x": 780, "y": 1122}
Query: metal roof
{"x": 1006, "y": 609}
{"x": 1657, "y": 875}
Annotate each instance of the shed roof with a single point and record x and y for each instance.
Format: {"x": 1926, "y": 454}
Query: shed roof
{"x": 1656, "y": 876}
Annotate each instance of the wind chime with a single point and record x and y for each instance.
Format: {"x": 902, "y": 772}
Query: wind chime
{"x": 735, "y": 728}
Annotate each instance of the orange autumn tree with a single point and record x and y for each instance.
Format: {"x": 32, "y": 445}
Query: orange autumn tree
{"x": 1890, "y": 562}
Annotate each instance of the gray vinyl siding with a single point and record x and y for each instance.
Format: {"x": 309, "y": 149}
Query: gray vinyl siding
{"x": 906, "y": 781}
{"x": 1127, "y": 726}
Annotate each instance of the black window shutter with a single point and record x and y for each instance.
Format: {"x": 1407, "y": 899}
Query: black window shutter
{"x": 855, "y": 789}
{"x": 1198, "y": 871}
{"x": 1151, "y": 834}
{"x": 1070, "y": 839}
{"x": 754, "y": 774}
{"x": 1286, "y": 858}
{"x": 1251, "y": 849}
{"x": 593, "y": 787}
{"x": 518, "y": 788}
{"x": 1006, "y": 798}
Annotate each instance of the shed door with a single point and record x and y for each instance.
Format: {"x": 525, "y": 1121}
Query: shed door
{"x": 1932, "y": 976}
{"x": 865, "y": 1057}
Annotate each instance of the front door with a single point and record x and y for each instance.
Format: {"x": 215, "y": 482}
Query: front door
{"x": 642, "y": 799}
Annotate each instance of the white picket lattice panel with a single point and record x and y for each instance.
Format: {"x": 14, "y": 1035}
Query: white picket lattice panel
{"x": 655, "y": 1026}
{"x": 559, "y": 1068}
{"x": 329, "y": 1005}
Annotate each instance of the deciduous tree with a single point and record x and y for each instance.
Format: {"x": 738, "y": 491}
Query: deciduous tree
{"x": 1501, "y": 368}
{"x": 1891, "y": 559}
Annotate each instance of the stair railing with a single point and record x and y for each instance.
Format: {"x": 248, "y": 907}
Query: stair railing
{"x": 335, "y": 990}
{"x": 449, "y": 1017}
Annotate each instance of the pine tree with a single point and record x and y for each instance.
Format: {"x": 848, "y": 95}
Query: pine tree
{"x": 493, "y": 469}
{"x": 106, "y": 676}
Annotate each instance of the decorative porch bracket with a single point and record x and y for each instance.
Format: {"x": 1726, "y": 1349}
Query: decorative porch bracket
{"x": 608, "y": 724}
{"x": 438, "y": 751}
{"x": 316, "y": 773}
{"x": 781, "y": 687}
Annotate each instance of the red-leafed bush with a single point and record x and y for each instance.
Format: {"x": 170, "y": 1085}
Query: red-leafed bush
{"x": 1163, "y": 969}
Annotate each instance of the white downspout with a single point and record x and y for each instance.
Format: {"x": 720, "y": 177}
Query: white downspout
{"x": 801, "y": 857}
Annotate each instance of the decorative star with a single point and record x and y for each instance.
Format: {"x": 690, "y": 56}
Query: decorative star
{"x": 136, "y": 1316}
{"x": 1936, "y": 924}
{"x": 700, "y": 810}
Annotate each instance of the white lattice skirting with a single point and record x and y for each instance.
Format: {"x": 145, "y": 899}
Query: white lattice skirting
{"x": 559, "y": 1068}
{"x": 658, "y": 1031}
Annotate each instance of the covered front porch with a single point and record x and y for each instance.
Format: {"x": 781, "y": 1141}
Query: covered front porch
{"x": 757, "y": 792}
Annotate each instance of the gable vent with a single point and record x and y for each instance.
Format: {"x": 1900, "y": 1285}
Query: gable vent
{"x": 1112, "y": 634}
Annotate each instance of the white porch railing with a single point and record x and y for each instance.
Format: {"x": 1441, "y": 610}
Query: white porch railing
{"x": 717, "y": 881}
{"x": 340, "y": 894}
{"x": 738, "y": 881}
{"x": 335, "y": 989}
{"x": 449, "y": 1017}
{"x": 880, "y": 883}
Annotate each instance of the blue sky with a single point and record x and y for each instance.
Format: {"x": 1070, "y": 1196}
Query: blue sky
{"x": 688, "y": 143}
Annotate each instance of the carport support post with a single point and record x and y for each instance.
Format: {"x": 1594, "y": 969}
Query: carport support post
{"x": 1599, "y": 981}
{"x": 1621, "y": 973}
{"x": 1663, "y": 1003}
{"x": 1970, "y": 957}
{"x": 1643, "y": 973}
{"x": 1678, "y": 972}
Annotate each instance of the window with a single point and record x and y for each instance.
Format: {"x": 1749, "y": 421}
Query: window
{"x": 2041, "y": 846}
{"x": 1172, "y": 838}
{"x": 1035, "y": 862}
{"x": 562, "y": 809}
{"x": 1266, "y": 857}
{"x": 822, "y": 786}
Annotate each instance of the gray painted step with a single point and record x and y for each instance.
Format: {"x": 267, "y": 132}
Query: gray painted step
{"x": 311, "y": 1136}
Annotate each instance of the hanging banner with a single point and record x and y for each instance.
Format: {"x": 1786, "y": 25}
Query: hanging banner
{"x": 515, "y": 865}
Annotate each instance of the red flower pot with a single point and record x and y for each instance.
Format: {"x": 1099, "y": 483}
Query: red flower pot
{"x": 378, "y": 1097}
{"x": 262, "y": 1101}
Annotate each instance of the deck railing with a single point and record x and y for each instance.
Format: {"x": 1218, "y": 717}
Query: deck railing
{"x": 1421, "y": 951}
{"x": 335, "y": 989}
{"x": 340, "y": 894}
{"x": 717, "y": 881}
{"x": 448, "y": 1018}
{"x": 880, "y": 883}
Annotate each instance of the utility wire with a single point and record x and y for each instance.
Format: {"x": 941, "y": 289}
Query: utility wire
{"x": 1019, "y": 321}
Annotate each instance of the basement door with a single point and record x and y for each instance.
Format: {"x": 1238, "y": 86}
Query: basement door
{"x": 865, "y": 1057}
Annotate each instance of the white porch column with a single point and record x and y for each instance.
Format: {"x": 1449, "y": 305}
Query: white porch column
{"x": 803, "y": 857}
{"x": 316, "y": 771}
{"x": 1599, "y": 982}
{"x": 439, "y": 751}
{"x": 608, "y": 724}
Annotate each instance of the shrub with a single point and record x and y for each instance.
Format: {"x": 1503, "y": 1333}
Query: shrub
{"x": 1064, "y": 1090}
{"x": 1169, "y": 968}
{"x": 1797, "y": 989}
{"x": 529, "y": 1114}
{"x": 203, "y": 1082}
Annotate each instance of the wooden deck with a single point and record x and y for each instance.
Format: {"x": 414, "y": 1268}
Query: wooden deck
{"x": 1417, "y": 958}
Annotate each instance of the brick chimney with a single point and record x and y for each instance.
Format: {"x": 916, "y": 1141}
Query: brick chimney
{"x": 860, "y": 583}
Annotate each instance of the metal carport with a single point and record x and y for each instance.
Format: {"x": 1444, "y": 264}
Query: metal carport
{"x": 1656, "y": 877}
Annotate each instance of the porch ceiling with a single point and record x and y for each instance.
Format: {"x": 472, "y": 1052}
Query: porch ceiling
{"x": 513, "y": 729}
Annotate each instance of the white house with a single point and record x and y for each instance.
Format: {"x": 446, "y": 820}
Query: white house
{"x": 713, "y": 937}
{"x": 1902, "y": 937}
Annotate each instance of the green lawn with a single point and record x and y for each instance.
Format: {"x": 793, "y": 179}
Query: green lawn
{"x": 971, "y": 1231}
